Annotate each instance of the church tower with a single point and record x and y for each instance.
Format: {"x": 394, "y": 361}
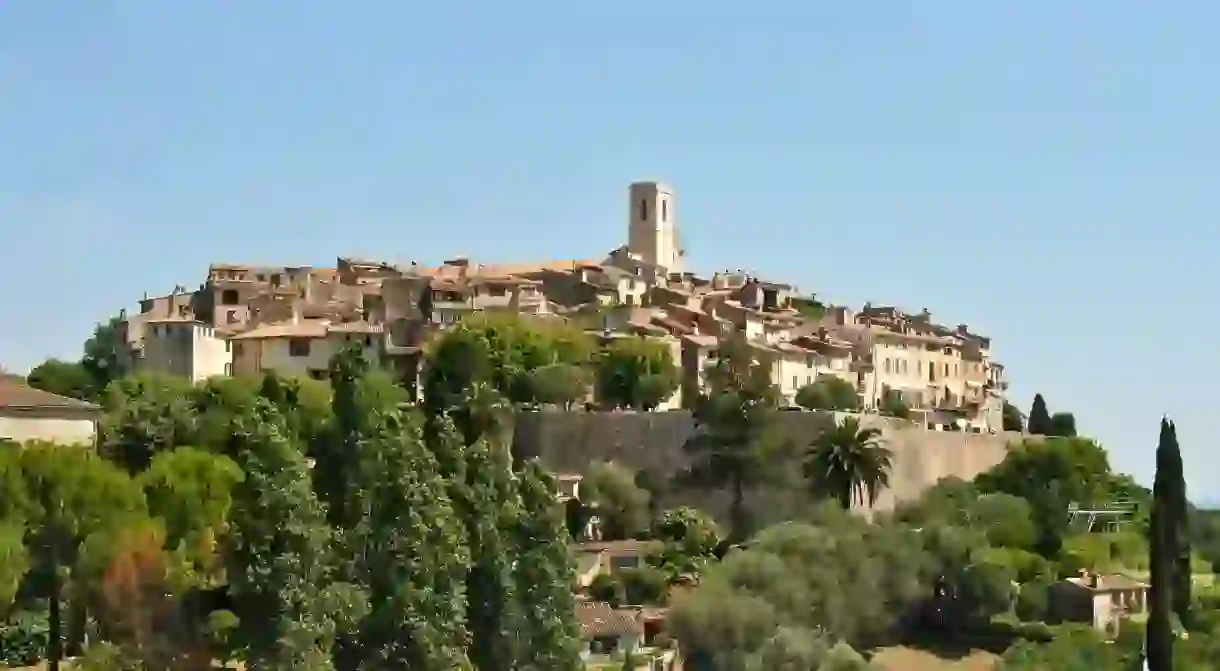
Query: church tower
{"x": 652, "y": 231}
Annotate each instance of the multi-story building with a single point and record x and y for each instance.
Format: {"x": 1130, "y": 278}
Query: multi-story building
{"x": 291, "y": 319}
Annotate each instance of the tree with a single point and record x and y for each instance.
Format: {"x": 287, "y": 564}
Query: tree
{"x": 74, "y": 494}
{"x": 828, "y": 392}
{"x": 106, "y": 356}
{"x": 1039, "y": 422}
{"x": 849, "y": 464}
{"x": 559, "y": 384}
{"x": 635, "y": 373}
{"x": 1164, "y": 548}
{"x": 278, "y": 554}
{"x": 145, "y": 415}
{"x": 621, "y": 506}
{"x": 492, "y": 511}
{"x": 735, "y": 437}
{"x": 14, "y": 562}
{"x": 1051, "y": 474}
{"x": 410, "y": 554}
{"x": 66, "y": 378}
{"x": 544, "y": 577}
{"x": 893, "y": 405}
{"x": 1179, "y": 523}
{"x": 1013, "y": 419}
{"x": 1063, "y": 424}
{"x": 339, "y": 456}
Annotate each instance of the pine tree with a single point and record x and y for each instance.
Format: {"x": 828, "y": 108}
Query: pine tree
{"x": 1039, "y": 421}
{"x": 1162, "y": 542}
{"x": 278, "y": 561}
{"x": 410, "y": 554}
{"x": 1182, "y": 576}
{"x": 544, "y": 577}
{"x": 338, "y": 455}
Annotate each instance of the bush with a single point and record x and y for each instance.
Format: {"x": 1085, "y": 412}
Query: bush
{"x": 644, "y": 586}
{"x": 24, "y": 638}
{"x": 1033, "y": 600}
{"x": 606, "y": 587}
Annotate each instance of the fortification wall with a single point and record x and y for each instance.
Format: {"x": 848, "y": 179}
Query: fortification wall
{"x": 570, "y": 441}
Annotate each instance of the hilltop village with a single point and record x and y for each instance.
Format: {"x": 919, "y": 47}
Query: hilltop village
{"x": 247, "y": 319}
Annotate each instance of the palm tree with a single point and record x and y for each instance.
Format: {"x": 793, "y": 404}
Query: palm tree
{"x": 849, "y": 464}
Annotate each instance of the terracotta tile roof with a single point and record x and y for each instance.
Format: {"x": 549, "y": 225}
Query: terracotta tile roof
{"x": 630, "y": 547}
{"x": 16, "y": 395}
{"x": 307, "y": 328}
{"x": 598, "y": 618}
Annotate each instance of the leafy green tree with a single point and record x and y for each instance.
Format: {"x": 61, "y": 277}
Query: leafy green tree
{"x": 1051, "y": 474}
{"x": 621, "y": 506}
{"x": 66, "y": 378}
{"x": 340, "y": 455}
{"x": 1039, "y": 422}
{"x": 410, "y": 554}
{"x": 75, "y": 494}
{"x": 1078, "y": 648}
{"x": 849, "y": 464}
{"x": 106, "y": 354}
{"x": 893, "y": 405}
{"x": 690, "y": 540}
{"x": 636, "y": 373}
{"x": 191, "y": 491}
{"x": 1013, "y": 420}
{"x": 544, "y": 578}
{"x": 1164, "y": 544}
{"x": 559, "y": 384}
{"x": 278, "y": 556}
{"x": 492, "y": 511}
{"x": 1063, "y": 424}
{"x": 304, "y": 402}
{"x": 14, "y": 562}
{"x": 828, "y": 392}
{"x": 145, "y": 415}
{"x": 735, "y": 436}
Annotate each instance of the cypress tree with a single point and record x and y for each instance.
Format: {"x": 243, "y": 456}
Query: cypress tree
{"x": 1039, "y": 421}
{"x": 1180, "y": 525}
{"x": 1162, "y": 542}
{"x": 544, "y": 575}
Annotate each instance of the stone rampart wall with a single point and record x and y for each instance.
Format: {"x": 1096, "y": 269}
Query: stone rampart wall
{"x": 570, "y": 441}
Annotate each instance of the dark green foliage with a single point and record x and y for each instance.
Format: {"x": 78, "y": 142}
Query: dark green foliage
{"x": 24, "y": 638}
{"x": 1013, "y": 420}
{"x": 828, "y": 392}
{"x": 893, "y": 405}
{"x": 543, "y": 578}
{"x": 1039, "y": 422}
{"x": 608, "y": 588}
{"x": 635, "y": 373}
{"x": 145, "y": 415}
{"x": 65, "y": 378}
{"x": 408, "y": 544}
{"x": 1063, "y": 425}
{"x": 735, "y": 441}
{"x": 620, "y": 505}
{"x": 1164, "y": 549}
{"x": 337, "y": 459}
{"x": 106, "y": 354}
{"x": 278, "y": 556}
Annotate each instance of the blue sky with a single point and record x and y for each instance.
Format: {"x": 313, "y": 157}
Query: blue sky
{"x": 1044, "y": 171}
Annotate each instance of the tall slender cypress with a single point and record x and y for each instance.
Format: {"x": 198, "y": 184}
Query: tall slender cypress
{"x": 1164, "y": 556}
{"x": 1039, "y": 422}
{"x": 1180, "y": 528}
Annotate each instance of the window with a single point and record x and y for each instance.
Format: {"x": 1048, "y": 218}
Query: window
{"x": 298, "y": 347}
{"x": 497, "y": 292}
{"x": 664, "y": 210}
{"x": 228, "y": 346}
{"x": 275, "y": 280}
{"x": 887, "y": 365}
{"x": 946, "y": 370}
{"x": 644, "y": 210}
{"x": 229, "y": 297}
{"x": 229, "y": 369}
{"x": 368, "y": 341}
{"x": 796, "y": 382}
{"x": 231, "y": 316}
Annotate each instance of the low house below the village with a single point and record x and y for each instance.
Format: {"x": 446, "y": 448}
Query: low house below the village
{"x": 1100, "y": 600}
{"x": 31, "y": 414}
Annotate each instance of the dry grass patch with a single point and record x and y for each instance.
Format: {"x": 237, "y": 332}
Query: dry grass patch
{"x": 910, "y": 659}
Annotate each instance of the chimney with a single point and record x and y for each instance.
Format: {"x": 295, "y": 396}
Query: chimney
{"x": 296, "y": 312}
